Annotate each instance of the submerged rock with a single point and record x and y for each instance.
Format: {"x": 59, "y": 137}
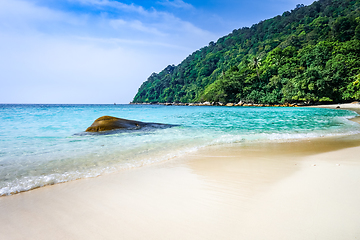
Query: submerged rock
{"x": 107, "y": 123}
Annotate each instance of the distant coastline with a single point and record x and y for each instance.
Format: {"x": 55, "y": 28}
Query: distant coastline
{"x": 352, "y": 105}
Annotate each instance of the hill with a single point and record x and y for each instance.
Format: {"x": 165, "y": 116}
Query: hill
{"x": 310, "y": 54}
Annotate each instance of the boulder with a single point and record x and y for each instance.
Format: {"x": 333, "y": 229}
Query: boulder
{"x": 107, "y": 123}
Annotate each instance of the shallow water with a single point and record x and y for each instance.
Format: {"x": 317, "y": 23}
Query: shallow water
{"x": 46, "y": 144}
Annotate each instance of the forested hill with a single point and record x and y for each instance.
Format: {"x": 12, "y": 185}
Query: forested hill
{"x": 310, "y": 54}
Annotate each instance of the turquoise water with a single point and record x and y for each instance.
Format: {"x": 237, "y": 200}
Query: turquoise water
{"x": 46, "y": 144}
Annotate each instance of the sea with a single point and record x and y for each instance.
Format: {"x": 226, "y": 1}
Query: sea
{"x": 45, "y": 144}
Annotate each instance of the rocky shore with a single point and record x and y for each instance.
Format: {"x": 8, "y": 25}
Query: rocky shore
{"x": 239, "y": 104}
{"x": 223, "y": 104}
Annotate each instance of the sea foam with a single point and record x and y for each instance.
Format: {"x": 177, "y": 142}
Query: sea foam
{"x": 46, "y": 144}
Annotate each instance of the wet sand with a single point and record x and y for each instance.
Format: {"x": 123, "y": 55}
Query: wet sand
{"x": 305, "y": 189}
{"x": 287, "y": 190}
{"x": 347, "y": 106}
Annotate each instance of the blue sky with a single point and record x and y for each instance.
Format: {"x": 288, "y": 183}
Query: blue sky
{"x": 100, "y": 51}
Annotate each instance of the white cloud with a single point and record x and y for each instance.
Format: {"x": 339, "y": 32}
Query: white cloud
{"x": 116, "y": 5}
{"x": 21, "y": 16}
{"x": 135, "y": 25}
{"x": 16, "y": 14}
{"x": 52, "y": 56}
{"x": 176, "y": 4}
{"x": 130, "y": 43}
{"x": 40, "y": 69}
{"x": 116, "y": 23}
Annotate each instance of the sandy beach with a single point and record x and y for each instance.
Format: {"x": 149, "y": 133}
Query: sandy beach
{"x": 306, "y": 189}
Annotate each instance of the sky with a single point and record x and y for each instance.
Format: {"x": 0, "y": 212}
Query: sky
{"x": 101, "y": 51}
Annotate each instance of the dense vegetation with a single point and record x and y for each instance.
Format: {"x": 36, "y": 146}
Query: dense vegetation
{"x": 311, "y": 54}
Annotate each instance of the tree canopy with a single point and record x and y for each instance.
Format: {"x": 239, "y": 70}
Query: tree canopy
{"x": 310, "y": 54}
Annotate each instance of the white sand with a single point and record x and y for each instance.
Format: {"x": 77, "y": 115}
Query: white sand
{"x": 354, "y": 105}
{"x": 254, "y": 191}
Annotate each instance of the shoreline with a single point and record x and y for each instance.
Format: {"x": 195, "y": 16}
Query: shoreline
{"x": 345, "y": 106}
{"x": 302, "y": 189}
{"x": 243, "y": 104}
{"x": 267, "y": 191}
{"x": 348, "y": 106}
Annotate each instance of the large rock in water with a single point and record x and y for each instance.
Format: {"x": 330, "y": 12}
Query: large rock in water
{"x": 106, "y": 123}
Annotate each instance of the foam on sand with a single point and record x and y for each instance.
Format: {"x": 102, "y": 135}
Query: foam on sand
{"x": 291, "y": 190}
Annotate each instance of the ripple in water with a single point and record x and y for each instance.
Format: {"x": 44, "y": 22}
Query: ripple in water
{"x": 46, "y": 144}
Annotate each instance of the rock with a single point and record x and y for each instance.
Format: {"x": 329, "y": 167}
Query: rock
{"x": 107, "y": 123}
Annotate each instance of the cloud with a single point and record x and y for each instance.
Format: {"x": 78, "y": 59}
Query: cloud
{"x": 156, "y": 26}
{"x": 115, "y": 5}
{"x": 139, "y": 44}
{"x": 135, "y": 25}
{"x": 38, "y": 69}
{"x": 22, "y": 17}
{"x": 176, "y": 4}
{"x": 49, "y": 55}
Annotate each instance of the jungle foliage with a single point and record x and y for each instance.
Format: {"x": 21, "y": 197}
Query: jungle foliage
{"x": 311, "y": 54}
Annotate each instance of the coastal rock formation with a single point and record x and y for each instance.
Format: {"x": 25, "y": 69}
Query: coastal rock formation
{"x": 241, "y": 103}
{"x": 107, "y": 123}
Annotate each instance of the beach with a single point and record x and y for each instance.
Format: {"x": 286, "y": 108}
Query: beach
{"x": 299, "y": 189}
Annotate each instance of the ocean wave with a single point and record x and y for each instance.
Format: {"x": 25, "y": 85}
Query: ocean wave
{"x": 34, "y": 156}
